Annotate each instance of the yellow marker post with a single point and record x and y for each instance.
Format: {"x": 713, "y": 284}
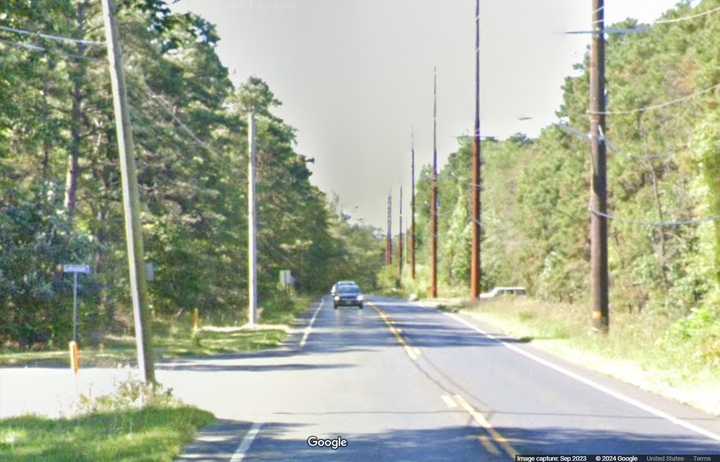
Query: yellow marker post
{"x": 74, "y": 356}
{"x": 196, "y": 320}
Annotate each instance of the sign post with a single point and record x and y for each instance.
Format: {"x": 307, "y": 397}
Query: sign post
{"x": 74, "y": 349}
{"x": 75, "y": 270}
{"x": 75, "y": 309}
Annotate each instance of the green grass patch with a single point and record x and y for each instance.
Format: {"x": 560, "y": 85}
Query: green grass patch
{"x": 641, "y": 337}
{"x": 175, "y": 339}
{"x": 155, "y": 433}
{"x": 285, "y": 308}
{"x": 214, "y": 343}
{"x": 526, "y": 316}
{"x": 180, "y": 342}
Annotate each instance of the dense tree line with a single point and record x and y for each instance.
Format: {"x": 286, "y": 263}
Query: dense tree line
{"x": 59, "y": 176}
{"x": 664, "y": 165}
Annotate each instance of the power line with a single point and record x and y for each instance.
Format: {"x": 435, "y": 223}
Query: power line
{"x": 56, "y": 38}
{"x": 645, "y": 28}
{"x": 660, "y": 224}
{"x": 658, "y": 106}
{"x": 167, "y": 110}
{"x": 570, "y": 130}
{"x": 612, "y": 31}
{"x": 192, "y": 137}
{"x": 688, "y": 18}
{"x": 39, "y": 49}
{"x": 27, "y": 46}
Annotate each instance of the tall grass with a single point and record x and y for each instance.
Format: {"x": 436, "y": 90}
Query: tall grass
{"x": 685, "y": 348}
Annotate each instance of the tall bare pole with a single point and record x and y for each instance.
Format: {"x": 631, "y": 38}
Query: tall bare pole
{"x": 388, "y": 239}
{"x": 131, "y": 200}
{"x": 252, "y": 223}
{"x": 434, "y": 198}
{"x": 598, "y": 199}
{"x": 412, "y": 204}
{"x": 475, "y": 263}
{"x": 400, "y": 237}
{"x": 406, "y": 252}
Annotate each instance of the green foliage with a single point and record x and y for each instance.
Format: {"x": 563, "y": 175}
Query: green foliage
{"x": 706, "y": 151}
{"x": 60, "y": 184}
{"x": 663, "y": 167}
{"x": 388, "y": 280}
{"x": 33, "y": 247}
{"x": 130, "y": 394}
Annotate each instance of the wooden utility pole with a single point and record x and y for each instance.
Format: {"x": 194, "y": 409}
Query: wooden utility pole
{"x": 407, "y": 246}
{"x": 400, "y": 238}
{"x": 252, "y": 225}
{"x": 475, "y": 263}
{"x": 598, "y": 199}
{"x": 131, "y": 200}
{"x": 388, "y": 239}
{"x": 412, "y": 204}
{"x": 434, "y": 198}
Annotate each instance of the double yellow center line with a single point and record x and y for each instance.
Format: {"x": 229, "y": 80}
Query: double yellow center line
{"x": 478, "y": 418}
{"x": 413, "y": 352}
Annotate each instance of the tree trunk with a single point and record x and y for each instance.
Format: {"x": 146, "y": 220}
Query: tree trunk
{"x": 78, "y": 77}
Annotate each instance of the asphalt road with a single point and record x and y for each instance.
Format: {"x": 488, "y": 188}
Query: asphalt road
{"x": 398, "y": 382}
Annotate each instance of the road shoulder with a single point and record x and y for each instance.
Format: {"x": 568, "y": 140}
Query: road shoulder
{"x": 588, "y": 370}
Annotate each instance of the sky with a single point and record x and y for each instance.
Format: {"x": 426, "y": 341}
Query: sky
{"x": 355, "y": 76}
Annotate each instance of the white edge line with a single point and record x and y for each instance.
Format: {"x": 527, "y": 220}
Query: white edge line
{"x": 449, "y": 402}
{"x": 241, "y": 451}
{"x": 593, "y": 384}
{"x": 308, "y": 329}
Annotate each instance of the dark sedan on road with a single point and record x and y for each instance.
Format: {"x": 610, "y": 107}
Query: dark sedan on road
{"x": 348, "y": 295}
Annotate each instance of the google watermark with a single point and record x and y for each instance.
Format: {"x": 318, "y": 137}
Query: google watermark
{"x": 331, "y": 443}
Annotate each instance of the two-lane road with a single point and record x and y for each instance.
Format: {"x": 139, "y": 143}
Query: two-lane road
{"x": 399, "y": 382}
{"x": 402, "y": 382}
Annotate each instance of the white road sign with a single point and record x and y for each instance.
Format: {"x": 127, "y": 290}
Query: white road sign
{"x": 84, "y": 269}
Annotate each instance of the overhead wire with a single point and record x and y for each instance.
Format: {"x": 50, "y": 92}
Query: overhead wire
{"x": 660, "y": 224}
{"x": 40, "y": 49}
{"x": 164, "y": 107}
{"x": 570, "y": 130}
{"x": 642, "y": 28}
{"x": 689, "y": 17}
{"x": 56, "y": 38}
{"x": 660, "y": 105}
{"x": 139, "y": 115}
{"x": 159, "y": 102}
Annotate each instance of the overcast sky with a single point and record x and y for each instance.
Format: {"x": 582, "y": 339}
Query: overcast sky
{"x": 355, "y": 75}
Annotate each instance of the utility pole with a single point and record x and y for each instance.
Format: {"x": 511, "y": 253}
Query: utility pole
{"x": 388, "y": 239}
{"x": 252, "y": 225}
{"x": 131, "y": 200}
{"x": 407, "y": 246}
{"x": 400, "y": 239}
{"x": 475, "y": 263}
{"x": 598, "y": 199}
{"x": 412, "y": 203}
{"x": 434, "y": 198}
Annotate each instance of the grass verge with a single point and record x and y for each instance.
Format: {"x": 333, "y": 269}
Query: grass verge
{"x": 156, "y": 433}
{"x": 136, "y": 423}
{"x": 642, "y": 348}
{"x": 176, "y": 339}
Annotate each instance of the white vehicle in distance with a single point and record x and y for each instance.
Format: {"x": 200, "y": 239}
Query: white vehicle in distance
{"x": 499, "y": 291}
